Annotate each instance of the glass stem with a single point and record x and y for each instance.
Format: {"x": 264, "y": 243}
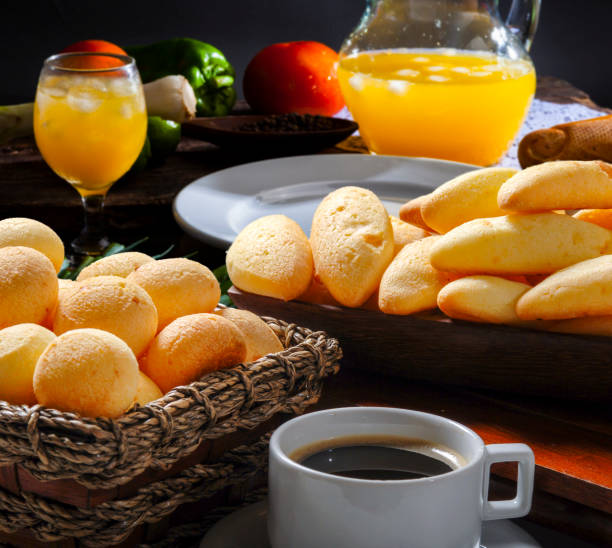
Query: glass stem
{"x": 92, "y": 240}
{"x": 93, "y": 205}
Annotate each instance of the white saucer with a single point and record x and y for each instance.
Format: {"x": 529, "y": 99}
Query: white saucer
{"x": 215, "y": 208}
{"x": 247, "y": 528}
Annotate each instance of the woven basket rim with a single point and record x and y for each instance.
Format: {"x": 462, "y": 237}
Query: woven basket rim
{"x": 102, "y": 452}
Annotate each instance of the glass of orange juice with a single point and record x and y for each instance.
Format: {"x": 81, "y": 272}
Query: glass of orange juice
{"x": 90, "y": 124}
{"x": 440, "y": 78}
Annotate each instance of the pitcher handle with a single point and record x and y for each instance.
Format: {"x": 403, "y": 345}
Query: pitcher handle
{"x": 523, "y": 19}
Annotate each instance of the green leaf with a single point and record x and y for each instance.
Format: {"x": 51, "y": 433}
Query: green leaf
{"x": 70, "y": 271}
{"x": 163, "y": 253}
{"x": 227, "y": 301}
{"x": 225, "y": 283}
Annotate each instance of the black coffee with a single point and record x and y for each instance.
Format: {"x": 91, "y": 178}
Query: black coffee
{"x": 378, "y": 458}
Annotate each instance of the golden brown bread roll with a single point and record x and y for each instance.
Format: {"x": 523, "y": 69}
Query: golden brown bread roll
{"x": 258, "y": 335}
{"x": 472, "y": 195}
{"x": 272, "y": 257}
{"x": 20, "y": 231}
{"x": 488, "y": 299}
{"x": 558, "y": 185}
{"x": 191, "y": 346}
{"x": 405, "y": 233}
{"x": 28, "y": 286}
{"x": 599, "y": 217}
{"x": 410, "y": 212}
{"x": 588, "y": 325}
{"x": 147, "y": 391}
{"x": 112, "y": 304}
{"x": 410, "y": 284}
{"x": 352, "y": 243}
{"x": 87, "y": 371}
{"x": 539, "y": 243}
{"x": 178, "y": 287}
{"x": 317, "y": 293}
{"x": 119, "y": 264}
{"x": 20, "y": 348}
{"x": 583, "y": 140}
{"x": 583, "y": 289}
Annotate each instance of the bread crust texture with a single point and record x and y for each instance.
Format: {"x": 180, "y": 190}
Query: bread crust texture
{"x": 352, "y": 244}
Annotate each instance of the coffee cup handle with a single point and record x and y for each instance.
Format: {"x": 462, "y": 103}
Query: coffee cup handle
{"x": 521, "y": 504}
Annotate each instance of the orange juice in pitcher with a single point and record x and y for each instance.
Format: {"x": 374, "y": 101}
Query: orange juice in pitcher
{"x": 440, "y": 78}
{"x": 454, "y": 105}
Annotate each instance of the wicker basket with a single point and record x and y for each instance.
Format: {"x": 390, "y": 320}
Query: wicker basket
{"x": 76, "y": 481}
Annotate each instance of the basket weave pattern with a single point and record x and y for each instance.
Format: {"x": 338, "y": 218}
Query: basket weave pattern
{"x": 103, "y": 453}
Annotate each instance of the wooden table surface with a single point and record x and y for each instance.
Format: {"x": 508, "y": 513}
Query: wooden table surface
{"x": 572, "y": 442}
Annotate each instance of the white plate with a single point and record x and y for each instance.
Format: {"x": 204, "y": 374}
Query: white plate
{"x": 215, "y": 208}
{"x": 247, "y": 527}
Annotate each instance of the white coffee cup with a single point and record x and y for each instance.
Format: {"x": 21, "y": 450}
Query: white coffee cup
{"x": 308, "y": 508}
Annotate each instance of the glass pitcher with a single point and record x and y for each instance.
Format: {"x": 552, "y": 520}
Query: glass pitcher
{"x": 440, "y": 78}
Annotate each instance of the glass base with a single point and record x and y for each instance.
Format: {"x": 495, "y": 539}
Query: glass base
{"x": 87, "y": 245}
{"x": 92, "y": 240}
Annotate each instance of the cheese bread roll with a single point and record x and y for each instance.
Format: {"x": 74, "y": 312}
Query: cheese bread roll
{"x": 589, "y": 325}
{"x": 352, "y": 243}
{"x": 411, "y": 284}
{"x": 258, "y": 335}
{"x": 147, "y": 391}
{"x": 486, "y": 299}
{"x": 405, "y": 233}
{"x": 558, "y": 185}
{"x": 28, "y": 286}
{"x": 87, "y": 371}
{"x": 20, "y": 231}
{"x": 190, "y": 347}
{"x": 599, "y": 217}
{"x": 410, "y": 212}
{"x": 317, "y": 293}
{"x": 579, "y": 290}
{"x": 271, "y": 256}
{"x": 472, "y": 195}
{"x": 519, "y": 244}
{"x": 119, "y": 264}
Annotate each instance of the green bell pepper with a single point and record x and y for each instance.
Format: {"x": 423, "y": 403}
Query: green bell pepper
{"x": 208, "y": 71}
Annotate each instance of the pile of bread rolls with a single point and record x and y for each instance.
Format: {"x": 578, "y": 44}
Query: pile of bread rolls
{"x": 531, "y": 248}
{"x": 129, "y": 329}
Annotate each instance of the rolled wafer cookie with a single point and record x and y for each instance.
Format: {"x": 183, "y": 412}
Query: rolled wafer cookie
{"x": 558, "y": 185}
{"x": 583, "y": 140}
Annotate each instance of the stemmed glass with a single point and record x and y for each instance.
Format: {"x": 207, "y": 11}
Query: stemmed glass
{"x": 90, "y": 124}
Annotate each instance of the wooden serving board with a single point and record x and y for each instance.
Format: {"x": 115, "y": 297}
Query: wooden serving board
{"x": 431, "y": 347}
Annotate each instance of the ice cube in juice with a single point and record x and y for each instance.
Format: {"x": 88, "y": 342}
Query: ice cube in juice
{"x": 89, "y": 129}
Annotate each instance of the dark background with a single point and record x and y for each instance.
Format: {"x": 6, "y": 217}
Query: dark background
{"x": 573, "y": 42}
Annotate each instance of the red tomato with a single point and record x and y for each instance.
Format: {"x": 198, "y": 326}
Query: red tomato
{"x": 294, "y": 77}
{"x": 94, "y": 46}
